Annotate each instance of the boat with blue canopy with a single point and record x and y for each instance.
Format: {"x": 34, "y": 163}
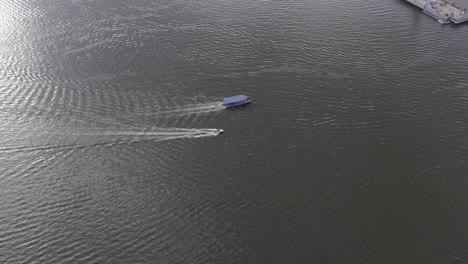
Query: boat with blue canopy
{"x": 237, "y": 100}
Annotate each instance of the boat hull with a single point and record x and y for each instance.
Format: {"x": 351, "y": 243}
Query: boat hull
{"x": 237, "y": 104}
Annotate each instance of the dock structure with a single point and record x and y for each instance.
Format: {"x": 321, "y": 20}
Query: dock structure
{"x": 442, "y": 11}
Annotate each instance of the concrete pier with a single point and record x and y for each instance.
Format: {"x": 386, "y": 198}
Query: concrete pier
{"x": 442, "y": 11}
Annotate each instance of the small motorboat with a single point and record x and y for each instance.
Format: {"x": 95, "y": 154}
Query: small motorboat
{"x": 237, "y": 100}
{"x": 218, "y": 131}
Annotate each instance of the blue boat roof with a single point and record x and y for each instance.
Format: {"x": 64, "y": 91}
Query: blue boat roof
{"x": 234, "y": 99}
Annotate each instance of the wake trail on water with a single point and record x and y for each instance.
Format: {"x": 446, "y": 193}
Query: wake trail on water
{"x": 188, "y": 110}
{"x": 176, "y": 132}
{"x": 84, "y": 130}
{"x": 131, "y": 137}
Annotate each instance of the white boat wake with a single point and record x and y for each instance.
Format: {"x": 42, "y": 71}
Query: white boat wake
{"x": 156, "y": 133}
{"x": 187, "y": 110}
{"x": 87, "y": 131}
{"x": 87, "y": 138}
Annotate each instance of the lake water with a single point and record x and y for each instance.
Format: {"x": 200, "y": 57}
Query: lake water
{"x": 353, "y": 150}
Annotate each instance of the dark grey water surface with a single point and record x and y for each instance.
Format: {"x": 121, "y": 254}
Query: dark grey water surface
{"x": 353, "y": 151}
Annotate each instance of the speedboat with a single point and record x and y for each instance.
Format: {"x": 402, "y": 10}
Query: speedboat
{"x": 237, "y": 100}
{"x": 218, "y": 131}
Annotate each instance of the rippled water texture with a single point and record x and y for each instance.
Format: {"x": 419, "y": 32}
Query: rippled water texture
{"x": 353, "y": 150}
